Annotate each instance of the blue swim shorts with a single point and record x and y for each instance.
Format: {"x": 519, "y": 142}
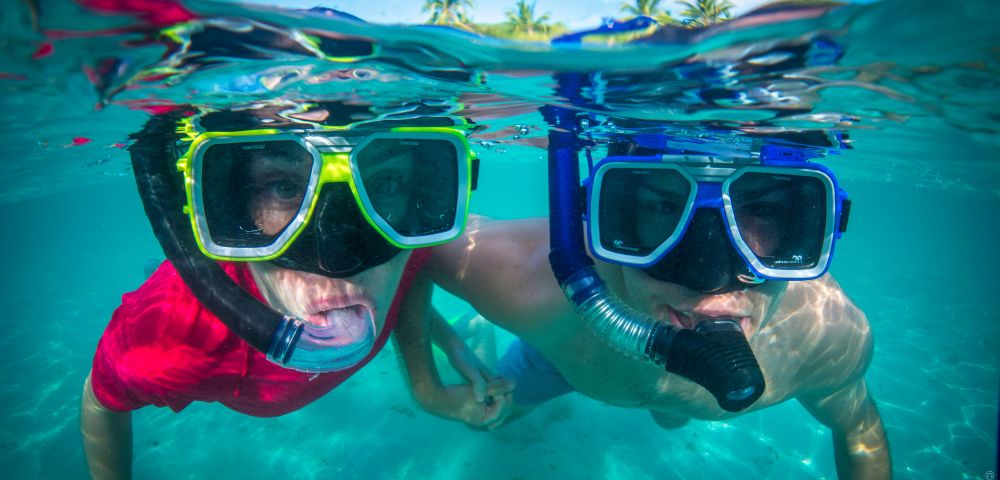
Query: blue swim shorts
{"x": 537, "y": 379}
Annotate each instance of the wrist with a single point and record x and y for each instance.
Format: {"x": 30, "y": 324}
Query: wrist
{"x": 428, "y": 394}
{"x": 445, "y": 403}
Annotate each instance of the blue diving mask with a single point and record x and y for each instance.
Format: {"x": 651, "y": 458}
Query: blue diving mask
{"x": 715, "y": 224}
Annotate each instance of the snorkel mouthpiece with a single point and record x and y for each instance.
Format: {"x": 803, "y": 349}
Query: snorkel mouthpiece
{"x": 715, "y": 355}
{"x": 305, "y": 347}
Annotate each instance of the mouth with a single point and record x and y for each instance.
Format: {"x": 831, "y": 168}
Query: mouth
{"x": 345, "y": 325}
{"x": 691, "y": 320}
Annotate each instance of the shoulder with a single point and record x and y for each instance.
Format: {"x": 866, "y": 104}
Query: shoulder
{"x": 501, "y": 267}
{"x": 164, "y": 310}
{"x": 513, "y": 250}
{"x": 837, "y": 338}
{"x": 159, "y": 328}
{"x": 496, "y": 241}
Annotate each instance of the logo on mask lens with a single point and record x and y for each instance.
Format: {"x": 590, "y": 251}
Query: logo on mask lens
{"x": 795, "y": 260}
{"x": 620, "y": 245}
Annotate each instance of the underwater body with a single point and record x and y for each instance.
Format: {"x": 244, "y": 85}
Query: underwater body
{"x": 897, "y": 97}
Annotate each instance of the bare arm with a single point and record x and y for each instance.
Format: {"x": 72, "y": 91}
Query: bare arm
{"x": 413, "y": 337}
{"x": 501, "y": 267}
{"x": 859, "y": 441}
{"x": 107, "y": 437}
{"x": 843, "y": 402}
{"x": 463, "y": 359}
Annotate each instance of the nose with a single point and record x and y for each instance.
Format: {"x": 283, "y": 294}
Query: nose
{"x": 338, "y": 241}
{"x": 705, "y": 260}
{"x": 343, "y": 238}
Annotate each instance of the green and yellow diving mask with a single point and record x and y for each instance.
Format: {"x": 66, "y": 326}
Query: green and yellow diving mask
{"x": 332, "y": 202}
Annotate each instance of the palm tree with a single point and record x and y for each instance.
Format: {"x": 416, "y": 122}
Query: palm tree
{"x": 703, "y": 13}
{"x": 448, "y": 12}
{"x": 647, "y": 8}
{"x": 522, "y": 18}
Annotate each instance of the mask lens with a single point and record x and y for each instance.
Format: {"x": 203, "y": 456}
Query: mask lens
{"x": 781, "y": 217}
{"x": 252, "y": 191}
{"x": 641, "y": 208}
{"x": 411, "y": 183}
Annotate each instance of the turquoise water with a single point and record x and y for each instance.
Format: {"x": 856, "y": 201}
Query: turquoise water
{"x": 918, "y": 80}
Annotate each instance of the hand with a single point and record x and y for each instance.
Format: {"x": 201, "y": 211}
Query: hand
{"x": 473, "y": 370}
{"x": 486, "y": 400}
{"x": 491, "y": 395}
{"x": 460, "y": 404}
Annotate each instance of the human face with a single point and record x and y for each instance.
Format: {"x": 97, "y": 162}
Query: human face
{"x": 686, "y": 308}
{"x": 315, "y": 298}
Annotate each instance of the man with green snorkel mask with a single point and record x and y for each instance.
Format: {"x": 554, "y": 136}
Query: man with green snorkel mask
{"x": 293, "y": 239}
{"x": 691, "y": 244}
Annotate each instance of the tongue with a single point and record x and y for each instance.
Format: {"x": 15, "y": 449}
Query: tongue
{"x": 346, "y": 325}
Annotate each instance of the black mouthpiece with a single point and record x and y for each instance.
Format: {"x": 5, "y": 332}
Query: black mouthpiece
{"x": 716, "y": 356}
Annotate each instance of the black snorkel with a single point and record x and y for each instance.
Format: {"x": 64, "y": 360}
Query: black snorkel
{"x": 716, "y": 355}
{"x": 162, "y": 192}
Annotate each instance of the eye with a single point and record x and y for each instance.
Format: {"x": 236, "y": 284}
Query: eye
{"x": 661, "y": 207}
{"x": 277, "y": 194}
{"x": 286, "y": 190}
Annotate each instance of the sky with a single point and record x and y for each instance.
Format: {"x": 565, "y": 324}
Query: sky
{"x": 575, "y": 14}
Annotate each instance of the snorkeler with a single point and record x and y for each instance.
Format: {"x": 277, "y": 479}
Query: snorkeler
{"x": 695, "y": 244}
{"x": 292, "y": 248}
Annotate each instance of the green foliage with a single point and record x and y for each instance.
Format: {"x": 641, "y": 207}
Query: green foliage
{"x": 449, "y": 12}
{"x": 523, "y": 24}
{"x": 506, "y": 31}
{"x": 649, "y": 8}
{"x": 522, "y": 19}
{"x": 703, "y": 13}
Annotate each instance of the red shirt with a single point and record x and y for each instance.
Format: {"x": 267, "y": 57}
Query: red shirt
{"x": 163, "y": 348}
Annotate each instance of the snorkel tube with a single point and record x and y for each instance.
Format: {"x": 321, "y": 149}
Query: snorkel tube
{"x": 286, "y": 340}
{"x": 715, "y": 355}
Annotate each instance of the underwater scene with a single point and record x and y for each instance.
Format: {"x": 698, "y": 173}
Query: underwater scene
{"x": 894, "y": 100}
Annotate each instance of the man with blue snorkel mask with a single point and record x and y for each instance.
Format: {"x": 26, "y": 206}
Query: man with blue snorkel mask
{"x": 699, "y": 253}
{"x": 293, "y": 236}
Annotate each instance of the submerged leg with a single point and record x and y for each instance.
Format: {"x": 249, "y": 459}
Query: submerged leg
{"x": 478, "y": 333}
